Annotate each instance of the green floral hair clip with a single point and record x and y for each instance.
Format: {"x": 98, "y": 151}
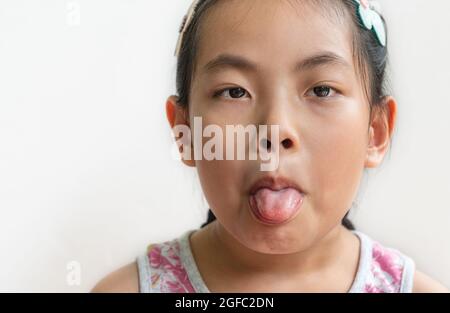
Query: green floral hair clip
{"x": 368, "y": 12}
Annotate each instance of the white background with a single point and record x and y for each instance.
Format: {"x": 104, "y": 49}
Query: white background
{"x": 85, "y": 167}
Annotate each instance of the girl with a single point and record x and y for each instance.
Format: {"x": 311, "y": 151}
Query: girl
{"x": 316, "y": 69}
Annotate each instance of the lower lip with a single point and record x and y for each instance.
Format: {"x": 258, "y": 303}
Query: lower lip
{"x": 263, "y": 220}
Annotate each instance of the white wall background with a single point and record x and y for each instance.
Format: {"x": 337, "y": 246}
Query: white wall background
{"x": 85, "y": 172}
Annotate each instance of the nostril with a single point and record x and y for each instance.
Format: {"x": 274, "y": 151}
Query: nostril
{"x": 287, "y": 143}
{"x": 266, "y": 144}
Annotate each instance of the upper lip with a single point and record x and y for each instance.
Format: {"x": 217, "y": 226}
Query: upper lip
{"x": 274, "y": 183}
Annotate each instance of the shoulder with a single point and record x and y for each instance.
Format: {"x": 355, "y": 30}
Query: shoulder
{"x": 388, "y": 269}
{"x": 394, "y": 271}
{"x": 423, "y": 283}
{"x": 124, "y": 279}
{"x": 384, "y": 269}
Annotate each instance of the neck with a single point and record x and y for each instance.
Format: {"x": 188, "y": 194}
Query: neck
{"x": 232, "y": 255}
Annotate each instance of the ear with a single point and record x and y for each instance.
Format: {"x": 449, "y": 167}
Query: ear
{"x": 178, "y": 115}
{"x": 381, "y": 128}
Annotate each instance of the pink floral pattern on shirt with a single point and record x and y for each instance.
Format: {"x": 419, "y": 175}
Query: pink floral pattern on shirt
{"x": 169, "y": 276}
{"x": 386, "y": 270}
{"x": 167, "y": 273}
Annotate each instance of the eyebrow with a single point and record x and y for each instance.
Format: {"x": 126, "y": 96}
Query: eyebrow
{"x": 241, "y": 63}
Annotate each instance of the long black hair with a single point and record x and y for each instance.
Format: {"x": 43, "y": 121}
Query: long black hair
{"x": 370, "y": 58}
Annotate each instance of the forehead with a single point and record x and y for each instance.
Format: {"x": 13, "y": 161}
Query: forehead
{"x": 274, "y": 34}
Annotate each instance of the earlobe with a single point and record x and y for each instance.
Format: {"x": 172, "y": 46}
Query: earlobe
{"x": 380, "y": 131}
{"x": 171, "y": 110}
{"x": 373, "y": 158}
{"x": 176, "y": 116}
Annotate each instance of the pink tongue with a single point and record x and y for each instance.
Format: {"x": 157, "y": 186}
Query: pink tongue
{"x": 277, "y": 206}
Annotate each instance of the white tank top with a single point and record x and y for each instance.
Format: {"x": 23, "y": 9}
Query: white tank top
{"x": 169, "y": 267}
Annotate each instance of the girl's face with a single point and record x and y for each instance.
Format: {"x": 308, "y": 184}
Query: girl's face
{"x": 292, "y": 48}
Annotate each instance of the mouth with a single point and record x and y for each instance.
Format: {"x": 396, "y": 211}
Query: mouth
{"x": 274, "y": 183}
{"x": 275, "y": 200}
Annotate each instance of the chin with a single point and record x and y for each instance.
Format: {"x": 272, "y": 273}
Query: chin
{"x": 284, "y": 240}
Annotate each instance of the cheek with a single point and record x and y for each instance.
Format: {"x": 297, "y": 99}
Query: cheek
{"x": 222, "y": 181}
{"x": 222, "y": 185}
{"x": 337, "y": 153}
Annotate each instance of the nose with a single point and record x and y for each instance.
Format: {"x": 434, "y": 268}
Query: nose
{"x": 285, "y": 122}
{"x": 286, "y": 143}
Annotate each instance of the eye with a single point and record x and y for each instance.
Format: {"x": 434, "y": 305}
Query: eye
{"x": 231, "y": 93}
{"x": 323, "y": 91}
